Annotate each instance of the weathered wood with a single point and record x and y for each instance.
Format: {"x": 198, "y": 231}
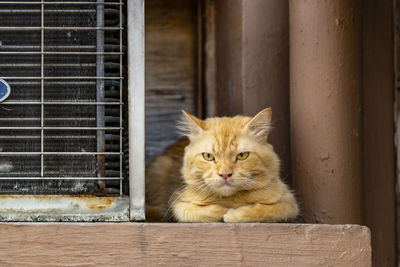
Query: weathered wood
{"x": 171, "y": 69}
{"x": 131, "y": 244}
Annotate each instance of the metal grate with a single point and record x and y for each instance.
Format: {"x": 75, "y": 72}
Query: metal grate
{"x": 61, "y": 127}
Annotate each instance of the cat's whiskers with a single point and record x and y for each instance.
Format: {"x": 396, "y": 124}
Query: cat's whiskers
{"x": 261, "y": 188}
{"x": 176, "y": 195}
{"x": 198, "y": 185}
{"x": 205, "y": 189}
{"x": 186, "y": 186}
{"x": 198, "y": 188}
{"x": 256, "y": 185}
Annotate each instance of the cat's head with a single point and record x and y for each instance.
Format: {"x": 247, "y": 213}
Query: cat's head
{"x": 229, "y": 154}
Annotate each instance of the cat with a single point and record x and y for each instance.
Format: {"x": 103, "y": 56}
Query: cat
{"x": 224, "y": 171}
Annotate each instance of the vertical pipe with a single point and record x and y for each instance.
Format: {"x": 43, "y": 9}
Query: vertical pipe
{"x": 325, "y": 74}
{"x": 228, "y": 33}
{"x": 42, "y": 92}
{"x": 265, "y": 69}
{"x": 100, "y": 114}
{"x": 251, "y": 67}
{"x": 136, "y": 109}
{"x": 209, "y": 59}
{"x": 120, "y": 99}
{"x": 200, "y": 77}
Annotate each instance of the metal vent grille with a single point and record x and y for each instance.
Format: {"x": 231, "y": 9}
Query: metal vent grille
{"x": 61, "y": 127}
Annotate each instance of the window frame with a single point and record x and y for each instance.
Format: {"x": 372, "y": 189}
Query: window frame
{"x": 136, "y": 109}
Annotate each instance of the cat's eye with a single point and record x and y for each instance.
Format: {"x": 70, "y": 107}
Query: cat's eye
{"x": 208, "y": 156}
{"x": 242, "y": 155}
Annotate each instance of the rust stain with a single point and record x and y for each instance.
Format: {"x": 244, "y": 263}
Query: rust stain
{"x": 100, "y": 203}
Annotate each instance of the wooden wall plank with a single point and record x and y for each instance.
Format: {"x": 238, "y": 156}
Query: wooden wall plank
{"x": 218, "y": 244}
{"x": 171, "y": 69}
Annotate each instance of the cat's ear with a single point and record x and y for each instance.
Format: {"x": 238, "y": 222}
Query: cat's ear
{"x": 189, "y": 125}
{"x": 260, "y": 124}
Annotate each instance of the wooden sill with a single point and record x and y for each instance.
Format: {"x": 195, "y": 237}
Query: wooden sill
{"x": 153, "y": 244}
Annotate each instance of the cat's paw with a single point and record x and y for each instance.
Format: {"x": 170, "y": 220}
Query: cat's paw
{"x": 242, "y": 214}
{"x": 214, "y": 213}
{"x": 231, "y": 216}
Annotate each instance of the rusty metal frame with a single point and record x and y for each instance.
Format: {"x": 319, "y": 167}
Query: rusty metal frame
{"x": 87, "y": 208}
{"x": 66, "y": 208}
{"x": 99, "y": 80}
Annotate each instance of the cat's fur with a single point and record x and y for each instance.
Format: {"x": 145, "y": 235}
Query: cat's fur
{"x": 253, "y": 192}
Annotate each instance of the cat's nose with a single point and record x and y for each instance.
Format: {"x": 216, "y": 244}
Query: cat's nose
{"x": 225, "y": 175}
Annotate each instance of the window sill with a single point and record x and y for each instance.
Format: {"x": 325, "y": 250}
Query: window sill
{"x": 151, "y": 244}
{"x": 63, "y": 208}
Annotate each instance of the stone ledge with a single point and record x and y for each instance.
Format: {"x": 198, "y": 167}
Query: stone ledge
{"x": 178, "y": 244}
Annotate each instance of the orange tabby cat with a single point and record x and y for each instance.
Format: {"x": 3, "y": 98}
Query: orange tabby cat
{"x": 230, "y": 173}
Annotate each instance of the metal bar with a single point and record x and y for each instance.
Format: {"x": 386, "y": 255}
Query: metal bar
{"x": 47, "y": 137}
{"x": 42, "y": 94}
{"x": 48, "y": 46}
{"x": 120, "y": 98}
{"x": 59, "y": 103}
{"x": 59, "y": 3}
{"x": 51, "y": 83}
{"x": 13, "y": 65}
{"x": 12, "y": 11}
{"x": 24, "y": 28}
{"x": 64, "y": 78}
{"x": 58, "y": 178}
{"x": 57, "y": 153}
{"x": 48, "y": 119}
{"x": 56, "y": 53}
{"x": 49, "y": 173}
{"x": 61, "y": 128}
{"x": 100, "y": 111}
{"x": 136, "y": 114}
